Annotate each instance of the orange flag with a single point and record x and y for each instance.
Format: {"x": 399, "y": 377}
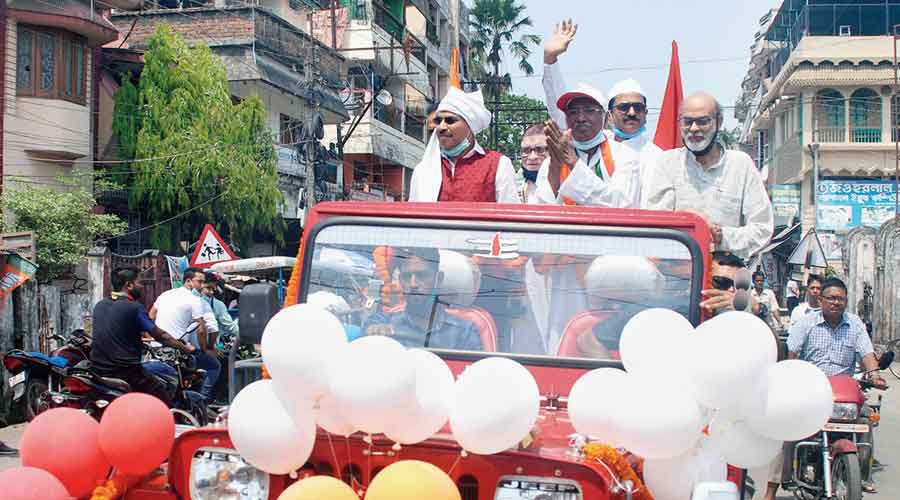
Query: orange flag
{"x": 454, "y": 69}
{"x": 668, "y": 131}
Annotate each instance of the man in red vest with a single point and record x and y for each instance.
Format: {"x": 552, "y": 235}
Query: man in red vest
{"x": 455, "y": 167}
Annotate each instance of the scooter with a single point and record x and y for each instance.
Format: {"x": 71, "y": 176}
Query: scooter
{"x": 35, "y": 374}
{"x": 829, "y": 464}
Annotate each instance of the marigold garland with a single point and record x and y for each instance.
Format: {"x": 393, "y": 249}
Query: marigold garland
{"x": 619, "y": 465}
{"x": 107, "y": 491}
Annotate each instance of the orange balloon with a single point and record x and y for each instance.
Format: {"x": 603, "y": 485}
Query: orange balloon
{"x": 319, "y": 488}
{"x": 412, "y": 480}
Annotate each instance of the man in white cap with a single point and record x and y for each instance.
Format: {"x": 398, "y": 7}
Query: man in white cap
{"x": 577, "y": 138}
{"x": 455, "y": 167}
{"x": 628, "y": 116}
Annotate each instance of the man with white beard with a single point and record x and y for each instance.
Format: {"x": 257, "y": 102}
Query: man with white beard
{"x": 720, "y": 185}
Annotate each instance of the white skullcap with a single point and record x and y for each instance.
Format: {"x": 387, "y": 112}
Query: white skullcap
{"x": 462, "y": 279}
{"x": 623, "y": 273}
{"x": 629, "y": 86}
{"x": 335, "y": 304}
{"x": 582, "y": 90}
{"x": 469, "y": 106}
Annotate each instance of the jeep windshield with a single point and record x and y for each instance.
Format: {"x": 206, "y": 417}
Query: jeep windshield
{"x": 536, "y": 290}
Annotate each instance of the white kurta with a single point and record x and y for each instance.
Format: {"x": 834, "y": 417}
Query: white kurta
{"x": 729, "y": 193}
{"x": 504, "y": 181}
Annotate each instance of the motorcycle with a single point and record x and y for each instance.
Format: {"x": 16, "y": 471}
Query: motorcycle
{"x": 92, "y": 393}
{"x": 831, "y": 464}
{"x": 35, "y": 374}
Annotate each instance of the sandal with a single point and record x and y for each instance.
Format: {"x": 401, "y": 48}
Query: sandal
{"x": 869, "y": 487}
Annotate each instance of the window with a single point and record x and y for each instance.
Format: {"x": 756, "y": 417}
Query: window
{"x": 829, "y": 122}
{"x": 865, "y": 116}
{"x": 291, "y": 130}
{"x": 50, "y": 64}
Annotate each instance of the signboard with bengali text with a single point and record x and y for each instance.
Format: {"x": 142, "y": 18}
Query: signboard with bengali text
{"x": 844, "y": 205}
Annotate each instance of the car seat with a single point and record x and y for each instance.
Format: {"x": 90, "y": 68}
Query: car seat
{"x": 579, "y": 324}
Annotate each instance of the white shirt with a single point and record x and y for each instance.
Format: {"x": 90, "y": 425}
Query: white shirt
{"x": 505, "y": 186}
{"x": 729, "y": 193}
{"x": 632, "y": 158}
{"x": 801, "y": 311}
{"x": 768, "y": 298}
{"x": 176, "y": 309}
{"x": 528, "y": 192}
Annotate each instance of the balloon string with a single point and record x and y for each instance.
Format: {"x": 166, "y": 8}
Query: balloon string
{"x": 350, "y": 463}
{"x": 369, "y": 460}
{"x": 458, "y": 458}
{"x": 337, "y": 463}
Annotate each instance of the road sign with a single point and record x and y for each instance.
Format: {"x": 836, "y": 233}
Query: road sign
{"x": 211, "y": 249}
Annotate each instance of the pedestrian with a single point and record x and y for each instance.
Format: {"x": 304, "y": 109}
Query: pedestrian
{"x": 813, "y": 289}
{"x": 722, "y": 186}
{"x": 583, "y": 167}
{"x": 534, "y": 152}
{"x": 770, "y": 311}
{"x": 455, "y": 167}
{"x": 792, "y": 298}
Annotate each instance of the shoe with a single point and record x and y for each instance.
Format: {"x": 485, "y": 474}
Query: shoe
{"x": 6, "y": 451}
{"x": 869, "y": 487}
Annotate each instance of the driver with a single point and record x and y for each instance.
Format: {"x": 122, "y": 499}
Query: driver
{"x": 624, "y": 285}
{"x": 424, "y": 321}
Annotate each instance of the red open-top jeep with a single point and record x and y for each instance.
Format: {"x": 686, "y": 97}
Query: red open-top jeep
{"x": 521, "y": 284}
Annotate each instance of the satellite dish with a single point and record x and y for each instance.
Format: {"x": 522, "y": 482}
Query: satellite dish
{"x": 384, "y": 97}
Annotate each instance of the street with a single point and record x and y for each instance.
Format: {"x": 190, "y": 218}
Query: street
{"x": 887, "y": 480}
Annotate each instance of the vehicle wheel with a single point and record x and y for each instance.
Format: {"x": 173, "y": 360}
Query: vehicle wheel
{"x": 35, "y": 397}
{"x": 866, "y": 454}
{"x": 846, "y": 481}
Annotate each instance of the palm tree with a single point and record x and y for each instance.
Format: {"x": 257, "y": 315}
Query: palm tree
{"x": 495, "y": 24}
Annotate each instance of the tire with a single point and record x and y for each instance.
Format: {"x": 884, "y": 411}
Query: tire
{"x": 866, "y": 454}
{"x": 846, "y": 480}
{"x": 34, "y": 398}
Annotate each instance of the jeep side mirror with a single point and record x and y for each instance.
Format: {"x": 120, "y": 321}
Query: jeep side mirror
{"x": 886, "y": 359}
{"x": 258, "y": 303}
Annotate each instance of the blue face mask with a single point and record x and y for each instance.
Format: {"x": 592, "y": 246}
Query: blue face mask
{"x": 530, "y": 175}
{"x": 622, "y": 135}
{"x": 456, "y": 150}
{"x": 590, "y": 144}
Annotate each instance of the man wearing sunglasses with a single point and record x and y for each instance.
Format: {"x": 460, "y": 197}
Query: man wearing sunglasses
{"x": 455, "y": 167}
{"x": 721, "y": 186}
{"x": 585, "y": 167}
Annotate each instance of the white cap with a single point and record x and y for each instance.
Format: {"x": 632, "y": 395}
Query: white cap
{"x": 629, "y": 86}
{"x": 582, "y": 90}
{"x": 462, "y": 278}
{"x": 623, "y": 273}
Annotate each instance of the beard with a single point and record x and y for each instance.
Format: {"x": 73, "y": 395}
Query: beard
{"x": 420, "y": 304}
{"x": 702, "y": 146}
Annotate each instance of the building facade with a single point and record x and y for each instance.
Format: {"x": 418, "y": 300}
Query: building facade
{"x": 819, "y": 98}
{"x": 398, "y": 54}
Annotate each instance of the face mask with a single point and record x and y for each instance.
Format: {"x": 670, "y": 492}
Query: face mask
{"x": 456, "y": 150}
{"x": 530, "y": 175}
{"x": 622, "y": 135}
{"x": 702, "y": 148}
{"x": 590, "y": 144}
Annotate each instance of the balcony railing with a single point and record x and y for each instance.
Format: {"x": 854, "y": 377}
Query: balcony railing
{"x": 389, "y": 115}
{"x": 396, "y": 27}
{"x": 863, "y": 134}
{"x": 830, "y": 134}
{"x": 415, "y": 127}
{"x": 431, "y": 34}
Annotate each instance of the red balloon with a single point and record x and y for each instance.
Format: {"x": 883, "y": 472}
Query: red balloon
{"x": 136, "y": 433}
{"x": 64, "y": 442}
{"x": 28, "y": 483}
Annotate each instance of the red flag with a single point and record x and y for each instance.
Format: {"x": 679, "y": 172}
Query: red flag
{"x": 668, "y": 131}
{"x": 454, "y": 69}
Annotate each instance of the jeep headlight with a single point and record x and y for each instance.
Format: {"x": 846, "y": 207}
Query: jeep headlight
{"x": 218, "y": 474}
{"x": 528, "y": 488}
{"x": 845, "y": 411}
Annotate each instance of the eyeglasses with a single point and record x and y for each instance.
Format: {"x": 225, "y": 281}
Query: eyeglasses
{"x": 834, "y": 299}
{"x": 722, "y": 283}
{"x": 583, "y": 110}
{"x": 451, "y": 120}
{"x": 701, "y": 121}
{"x": 623, "y": 107}
{"x": 538, "y": 150}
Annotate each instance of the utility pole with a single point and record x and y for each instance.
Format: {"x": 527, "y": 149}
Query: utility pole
{"x": 814, "y": 149}
{"x": 308, "y": 137}
{"x": 895, "y": 129}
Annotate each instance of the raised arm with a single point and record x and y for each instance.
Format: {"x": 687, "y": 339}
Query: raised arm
{"x": 554, "y": 83}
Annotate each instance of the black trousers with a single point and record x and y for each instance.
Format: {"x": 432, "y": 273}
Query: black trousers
{"x": 142, "y": 381}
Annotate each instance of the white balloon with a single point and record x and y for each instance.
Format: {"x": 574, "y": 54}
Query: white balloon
{"x": 434, "y": 392}
{"x": 663, "y": 419}
{"x": 495, "y": 405}
{"x": 298, "y": 345}
{"x": 328, "y": 417}
{"x": 674, "y": 478}
{"x": 741, "y": 446}
{"x": 374, "y": 384}
{"x": 798, "y": 403}
{"x": 263, "y": 432}
{"x": 729, "y": 352}
{"x": 652, "y": 341}
{"x": 597, "y": 401}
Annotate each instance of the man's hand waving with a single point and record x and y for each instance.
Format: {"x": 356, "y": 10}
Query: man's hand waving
{"x": 558, "y": 43}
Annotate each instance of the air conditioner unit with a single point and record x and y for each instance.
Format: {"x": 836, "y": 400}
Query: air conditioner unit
{"x": 845, "y": 30}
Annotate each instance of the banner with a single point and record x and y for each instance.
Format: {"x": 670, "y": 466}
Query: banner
{"x": 844, "y": 205}
{"x": 13, "y": 272}
{"x": 786, "y": 203}
{"x": 177, "y": 266}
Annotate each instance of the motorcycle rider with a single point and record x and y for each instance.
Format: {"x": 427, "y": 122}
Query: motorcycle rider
{"x": 119, "y": 323}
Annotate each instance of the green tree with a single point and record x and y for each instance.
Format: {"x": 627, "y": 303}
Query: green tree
{"x": 64, "y": 224}
{"x": 190, "y": 154}
{"x": 730, "y": 138}
{"x": 514, "y": 115}
{"x": 495, "y": 24}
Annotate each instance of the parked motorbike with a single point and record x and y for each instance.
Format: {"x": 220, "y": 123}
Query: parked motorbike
{"x": 831, "y": 463}
{"x": 33, "y": 375}
{"x": 92, "y": 393}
